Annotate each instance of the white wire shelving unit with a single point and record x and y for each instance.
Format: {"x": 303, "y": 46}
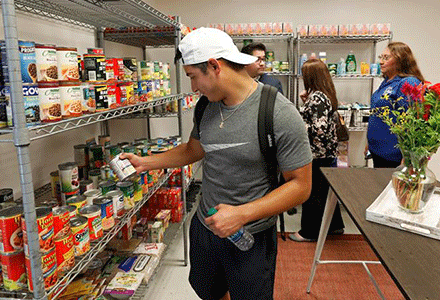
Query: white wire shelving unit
{"x": 130, "y": 22}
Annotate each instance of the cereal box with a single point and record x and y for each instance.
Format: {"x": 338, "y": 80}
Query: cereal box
{"x": 380, "y": 29}
{"x": 323, "y": 30}
{"x": 256, "y": 28}
{"x": 247, "y": 28}
{"x": 333, "y": 31}
{"x": 230, "y": 28}
{"x": 267, "y": 27}
{"x": 302, "y": 30}
{"x": 354, "y": 29}
{"x": 239, "y": 28}
{"x": 365, "y": 29}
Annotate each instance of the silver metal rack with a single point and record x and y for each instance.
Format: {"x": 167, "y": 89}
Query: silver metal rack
{"x": 344, "y": 39}
{"x": 95, "y": 15}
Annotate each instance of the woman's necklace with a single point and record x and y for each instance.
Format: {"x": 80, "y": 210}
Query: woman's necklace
{"x": 238, "y": 106}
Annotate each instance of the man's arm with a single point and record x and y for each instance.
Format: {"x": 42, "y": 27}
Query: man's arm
{"x": 181, "y": 155}
{"x": 229, "y": 219}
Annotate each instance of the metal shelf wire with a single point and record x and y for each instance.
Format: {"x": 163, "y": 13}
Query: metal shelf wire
{"x": 98, "y": 13}
{"x": 263, "y": 37}
{"x": 46, "y": 130}
{"x": 343, "y": 39}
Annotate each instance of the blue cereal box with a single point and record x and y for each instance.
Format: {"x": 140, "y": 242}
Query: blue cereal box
{"x": 28, "y": 65}
{"x": 31, "y": 104}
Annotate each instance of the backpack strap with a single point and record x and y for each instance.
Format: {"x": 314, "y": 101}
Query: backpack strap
{"x": 200, "y": 108}
{"x": 266, "y": 133}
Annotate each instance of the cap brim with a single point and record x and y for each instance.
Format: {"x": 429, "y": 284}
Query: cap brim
{"x": 241, "y": 58}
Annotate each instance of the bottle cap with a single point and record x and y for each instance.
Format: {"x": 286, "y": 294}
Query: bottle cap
{"x": 212, "y": 211}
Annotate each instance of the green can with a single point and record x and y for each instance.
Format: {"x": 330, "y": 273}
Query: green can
{"x": 127, "y": 188}
{"x": 142, "y": 140}
{"x": 111, "y": 151}
{"x": 107, "y": 186}
{"x": 137, "y": 188}
{"x": 129, "y": 149}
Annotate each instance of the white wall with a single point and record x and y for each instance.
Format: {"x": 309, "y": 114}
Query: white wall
{"x": 415, "y": 23}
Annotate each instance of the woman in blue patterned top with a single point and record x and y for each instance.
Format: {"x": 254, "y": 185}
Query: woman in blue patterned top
{"x": 398, "y": 66}
{"x": 320, "y": 102}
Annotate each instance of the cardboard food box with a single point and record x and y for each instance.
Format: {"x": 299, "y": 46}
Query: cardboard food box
{"x": 302, "y": 30}
{"x": 164, "y": 216}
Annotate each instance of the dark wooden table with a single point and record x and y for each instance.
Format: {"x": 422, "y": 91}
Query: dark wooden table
{"x": 412, "y": 260}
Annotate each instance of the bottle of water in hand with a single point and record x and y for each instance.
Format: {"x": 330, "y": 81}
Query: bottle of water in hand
{"x": 243, "y": 239}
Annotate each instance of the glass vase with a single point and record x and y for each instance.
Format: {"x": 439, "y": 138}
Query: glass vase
{"x": 414, "y": 184}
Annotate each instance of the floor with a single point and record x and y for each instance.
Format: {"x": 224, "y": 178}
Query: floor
{"x": 171, "y": 280}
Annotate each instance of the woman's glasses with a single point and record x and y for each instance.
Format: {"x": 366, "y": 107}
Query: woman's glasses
{"x": 384, "y": 57}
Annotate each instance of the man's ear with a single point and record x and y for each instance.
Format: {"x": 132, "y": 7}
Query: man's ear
{"x": 214, "y": 64}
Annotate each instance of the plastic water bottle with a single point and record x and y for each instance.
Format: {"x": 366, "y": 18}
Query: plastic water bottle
{"x": 243, "y": 239}
{"x": 341, "y": 67}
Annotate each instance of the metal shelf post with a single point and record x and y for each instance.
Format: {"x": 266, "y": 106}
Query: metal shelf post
{"x": 22, "y": 141}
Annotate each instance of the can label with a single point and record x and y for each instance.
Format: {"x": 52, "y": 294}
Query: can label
{"x": 81, "y": 238}
{"x": 69, "y": 179}
{"x": 65, "y": 253}
{"x": 88, "y": 99}
{"x": 46, "y": 58}
{"x": 118, "y": 203}
{"x": 50, "y": 103}
{"x": 45, "y": 232}
{"x": 67, "y": 64}
{"x": 77, "y": 202}
{"x": 122, "y": 167}
{"x": 113, "y": 96}
{"x": 61, "y": 222}
{"x": 93, "y": 215}
{"x": 71, "y": 101}
{"x": 11, "y": 237}
{"x": 49, "y": 266}
{"x": 137, "y": 188}
{"x": 14, "y": 271}
{"x": 128, "y": 191}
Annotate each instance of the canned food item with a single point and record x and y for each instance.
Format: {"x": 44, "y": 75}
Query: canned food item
{"x": 107, "y": 186}
{"x": 50, "y": 101}
{"x": 71, "y": 99}
{"x": 81, "y": 154}
{"x": 72, "y": 210}
{"x": 94, "y": 175}
{"x": 65, "y": 252}
{"x": 26, "y": 51}
{"x": 126, "y": 187}
{"x": 14, "y": 271}
{"x": 96, "y": 156}
{"x": 113, "y": 95}
{"x": 46, "y": 59}
{"x": 128, "y": 149}
{"x": 107, "y": 173}
{"x": 130, "y": 70}
{"x": 118, "y": 203}
{"x": 45, "y": 230}
{"x": 6, "y": 195}
{"x": 61, "y": 221}
{"x": 80, "y": 67}
{"x": 67, "y": 60}
{"x": 49, "y": 266}
{"x": 93, "y": 215}
{"x": 81, "y": 235}
{"x": 11, "y": 235}
{"x": 77, "y": 201}
{"x": 66, "y": 196}
{"x": 69, "y": 177}
{"x": 85, "y": 185}
{"x": 88, "y": 98}
{"x": 91, "y": 195}
{"x": 137, "y": 188}
{"x": 106, "y": 205}
{"x": 55, "y": 185}
{"x": 111, "y": 151}
{"x": 101, "y": 98}
{"x": 96, "y": 51}
{"x": 122, "y": 168}
{"x": 144, "y": 182}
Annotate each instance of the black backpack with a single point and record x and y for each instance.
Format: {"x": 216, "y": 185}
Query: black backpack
{"x": 266, "y": 136}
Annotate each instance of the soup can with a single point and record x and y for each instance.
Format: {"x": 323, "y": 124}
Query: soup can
{"x": 123, "y": 169}
{"x": 81, "y": 235}
{"x": 67, "y": 60}
{"x": 118, "y": 203}
{"x": 55, "y": 185}
{"x": 107, "y": 186}
{"x": 69, "y": 177}
{"x": 71, "y": 99}
{"x": 65, "y": 253}
{"x": 96, "y": 156}
{"x": 85, "y": 185}
{"x": 45, "y": 230}
{"x": 91, "y": 195}
{"x": 14, "y": 271}
{"x": 61, "y": 221}
{"x": 49, "y": 266}
{"x": 94, "y": 175}
{"x": 93, "y": 215}
{"x": 72, "y": 210}
{"x": 127, "y": 189}
{"x": 46, "y": 58}
{"x": 111, "y": 151}
{"x": 81, "y": 154}
{"x": 11, "y": 234}
{"x": 77, "y": 201}
{"x": 106, "y": 205}
{"x": 89, "y": 98}
{"x": 6, "y": 195}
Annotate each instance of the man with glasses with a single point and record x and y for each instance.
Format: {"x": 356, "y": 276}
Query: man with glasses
{"x": 257, "y": 69}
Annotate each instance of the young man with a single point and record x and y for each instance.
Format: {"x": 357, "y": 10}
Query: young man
{"x": 234, "y": 178}
{"x": 257, "y": 69}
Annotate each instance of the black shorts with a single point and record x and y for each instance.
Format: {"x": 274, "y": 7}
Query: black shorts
{"x": 218, "y": 266}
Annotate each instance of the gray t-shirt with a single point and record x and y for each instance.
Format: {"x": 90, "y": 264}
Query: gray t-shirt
{"x": 233, "y": 168}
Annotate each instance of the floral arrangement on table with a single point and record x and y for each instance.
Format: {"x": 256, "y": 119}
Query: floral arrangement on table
{"x": 417, "y": 128}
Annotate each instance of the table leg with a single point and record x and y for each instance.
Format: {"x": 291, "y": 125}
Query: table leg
{"x": 326, "y": 219}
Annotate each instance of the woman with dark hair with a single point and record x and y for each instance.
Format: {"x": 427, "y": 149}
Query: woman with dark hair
{"x": 398, "y": 66}
{"x": 320, "y": 102}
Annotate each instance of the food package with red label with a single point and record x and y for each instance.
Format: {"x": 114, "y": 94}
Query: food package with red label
{"x": 14, "y": 271}
{"x": 49, "y": 266}
{"x": 45, "y": 230}
{"x": 11, "y": 235}
{"x": 177, "y": 213}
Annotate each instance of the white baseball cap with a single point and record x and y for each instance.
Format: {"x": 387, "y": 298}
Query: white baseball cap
{"x": 200, "y": 45}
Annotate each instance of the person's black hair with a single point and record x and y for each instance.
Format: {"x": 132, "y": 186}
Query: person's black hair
{"x": 250, "y": 48}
